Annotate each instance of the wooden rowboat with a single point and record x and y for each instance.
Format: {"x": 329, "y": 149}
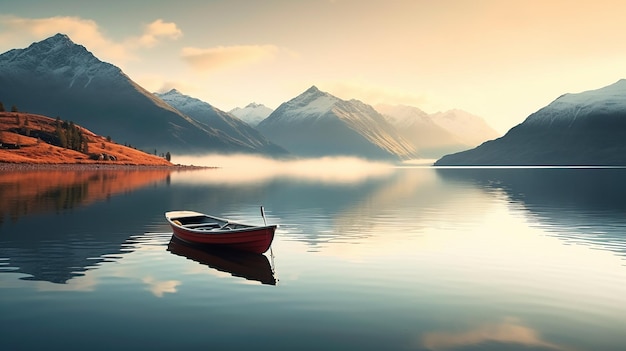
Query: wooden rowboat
{"x": 198, "y": 228}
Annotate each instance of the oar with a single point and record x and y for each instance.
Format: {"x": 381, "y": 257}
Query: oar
{"x": 263, "y": 215}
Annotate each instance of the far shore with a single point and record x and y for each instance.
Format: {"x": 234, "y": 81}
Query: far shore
{"x": 7, "y": 166}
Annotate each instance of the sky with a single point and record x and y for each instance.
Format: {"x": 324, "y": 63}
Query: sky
{"x": 500, "y": 60}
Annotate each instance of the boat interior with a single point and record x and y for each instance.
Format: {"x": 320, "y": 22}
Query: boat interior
{"x": 206, "y": 223}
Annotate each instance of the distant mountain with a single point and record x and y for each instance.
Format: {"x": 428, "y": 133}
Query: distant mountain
{"x": 316, "y": 123}
{"x": 232, "y": 127}
{"x": 252, "y": 114}
{"x": 57, "y": 77}
{"x": 418, "y": 128}
{"x": 587, "y": 128}
{"x": 468, "y": 128}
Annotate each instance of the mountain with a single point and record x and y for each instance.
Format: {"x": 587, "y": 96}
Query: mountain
{"x": 56, "y": 77}
{"x": 316, "y": 123}
{"x": 252, "y": 114}
{"x": 587, "y": 128}
{"x": 230, "y": 126}
{"x": 418, "y": 128}
{"x": 468, "y": 128}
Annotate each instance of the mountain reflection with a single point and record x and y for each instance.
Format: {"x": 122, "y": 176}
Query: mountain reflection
{"x": 583, "y": 205}
{"x": 67, "y": 229}
{"x": 38, "y": 191}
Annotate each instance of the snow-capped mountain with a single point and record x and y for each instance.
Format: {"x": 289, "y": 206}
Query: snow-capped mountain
{"x": 212, "y": 117}
{"x": 252, "y": 114}
{"x": 316, "y": 123}
{"x": 56, "y": 77}
{"x": 587, "y": 128}
{"x": 418, "y": 128}
{"x": 571, "y": 109}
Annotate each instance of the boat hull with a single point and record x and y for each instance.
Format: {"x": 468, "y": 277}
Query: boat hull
{"x": 245, "y": 237}
{"x": 257, "y": 240}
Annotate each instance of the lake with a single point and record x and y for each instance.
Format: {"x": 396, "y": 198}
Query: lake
{"x": 366, "y": 257}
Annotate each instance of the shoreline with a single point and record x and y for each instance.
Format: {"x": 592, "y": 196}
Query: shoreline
{"x": 8, "y": 167}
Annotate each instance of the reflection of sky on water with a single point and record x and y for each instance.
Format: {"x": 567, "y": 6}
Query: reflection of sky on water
{"x": 509, "y": 331}
{"x": 580, "y": 206}
{"x": 413, "y": 258}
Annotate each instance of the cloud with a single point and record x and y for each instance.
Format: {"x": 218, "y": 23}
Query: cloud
{"x": 15, "y": 30}
{"x": 211, "y": 59}
{"x": 81, "y": 31}
{"x": 156, "y": 30}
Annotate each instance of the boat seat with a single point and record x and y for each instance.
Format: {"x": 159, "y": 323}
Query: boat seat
{"x": 202, "y": 225}
{"x": 177, "y": 222}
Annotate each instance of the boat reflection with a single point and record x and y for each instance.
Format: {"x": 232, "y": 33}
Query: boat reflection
{"x": 251, "y": 266}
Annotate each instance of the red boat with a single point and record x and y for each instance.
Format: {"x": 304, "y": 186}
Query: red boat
{"x": 198, "y": 228}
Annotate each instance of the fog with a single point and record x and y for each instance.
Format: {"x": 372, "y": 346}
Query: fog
{"x": 254, "y": 169}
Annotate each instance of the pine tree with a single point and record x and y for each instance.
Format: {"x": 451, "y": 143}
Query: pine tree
{"x": 2, "y": 107}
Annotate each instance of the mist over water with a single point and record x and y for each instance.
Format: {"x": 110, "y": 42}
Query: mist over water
{"x": 255, "y": 169}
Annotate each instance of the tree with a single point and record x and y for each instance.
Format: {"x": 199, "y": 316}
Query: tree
{"x": 1, "y": 107}
{"x": 14, "y": 108}
{"x": 168, "y": 156}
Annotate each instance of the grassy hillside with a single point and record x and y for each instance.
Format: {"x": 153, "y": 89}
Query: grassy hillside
{"x": 31, "y": 138}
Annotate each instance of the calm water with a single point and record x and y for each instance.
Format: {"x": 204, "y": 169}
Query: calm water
{"x": 382, "y": 259}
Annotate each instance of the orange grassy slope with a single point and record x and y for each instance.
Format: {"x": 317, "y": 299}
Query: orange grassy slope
{"x": 17, "y": 147}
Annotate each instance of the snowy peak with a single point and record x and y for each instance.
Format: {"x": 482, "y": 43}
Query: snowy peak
{"x": 252, "y": 114}
{"x": 57, "y": 42}
{"x": 178, "y": 96}
{"x": 185, "y": 103}
{"x": 173, "y": 92}
{"x": 573, "y": 107}
{"x": 254, "y": 105}
{"x": 313, "y": 103}
{"x": 615, "y": 91}
{"x": 316, "y": 123}
{"x": 582, "y": 129}
{"x": 225, "y": 123}
{"x": 402, "y": 116}
{"x": 58, "y": 57}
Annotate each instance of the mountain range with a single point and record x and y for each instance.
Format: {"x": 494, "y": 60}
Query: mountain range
{"x": 316, "y": 123}
{"x": 587, "y": 128}
{"x": 226, "y": 125}
{"x": 435, "y": 135}
{"x": 56, "y": 77}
